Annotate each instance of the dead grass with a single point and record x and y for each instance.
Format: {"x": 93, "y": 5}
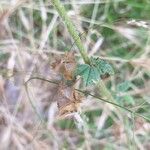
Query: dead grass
{"x": 31, "y": 35}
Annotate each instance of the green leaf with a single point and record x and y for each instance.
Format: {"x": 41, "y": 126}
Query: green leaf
{"x": 91, "y": 73}
{"x": 124, "y": 86}
{"x": 3, "y": 56}
{"x": 103, "y": 66}
{"x": 129, "y": 99}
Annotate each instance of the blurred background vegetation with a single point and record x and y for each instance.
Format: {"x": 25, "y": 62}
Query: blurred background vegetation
{"x": 32, "y": 35}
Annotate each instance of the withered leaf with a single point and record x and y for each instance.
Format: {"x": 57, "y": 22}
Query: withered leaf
{"x": 66, "y": 65}
{"x": 68, "y": 100}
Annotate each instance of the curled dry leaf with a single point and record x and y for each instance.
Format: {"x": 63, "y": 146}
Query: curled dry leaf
{"x": 142, "y": 62}
{"x": 68, "y": 99}
{"x": 65, "y": 66}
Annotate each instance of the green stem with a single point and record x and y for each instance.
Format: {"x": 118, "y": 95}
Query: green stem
{"x": 71, "y": 28}
{"x": 105, "y": 92}
{"x": 73, "y": 32}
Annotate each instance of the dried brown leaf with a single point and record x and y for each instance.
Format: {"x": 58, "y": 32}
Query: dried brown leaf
{"x": 68, "y": 100}
{"x": 65, "y": 66}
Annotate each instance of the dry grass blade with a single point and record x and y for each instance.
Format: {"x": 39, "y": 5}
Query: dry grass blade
{"x": 32, "y": 37}
{"x": 14, "y": 135}
{"x": 145, "y": 63}
{"x": 1, "y": 87}
{"x": 5, "y": 13}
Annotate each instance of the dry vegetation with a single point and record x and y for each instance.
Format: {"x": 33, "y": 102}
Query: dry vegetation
{"x": 32, "y": 37}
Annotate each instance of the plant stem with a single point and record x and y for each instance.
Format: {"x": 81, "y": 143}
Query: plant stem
{"x": 71, "y": 28}
{"x": 73, "y": 32}
{"x": 105, "y": 92}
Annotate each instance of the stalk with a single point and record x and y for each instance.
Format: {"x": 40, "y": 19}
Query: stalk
{"x": 75, "y": 35}
{"x": 109, "y": 101}
{"x": 71, "y": 28}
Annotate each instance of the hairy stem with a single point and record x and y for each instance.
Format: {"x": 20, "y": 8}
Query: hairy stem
{"x": 71, "y": 28}
{"x": 75, "y": 35}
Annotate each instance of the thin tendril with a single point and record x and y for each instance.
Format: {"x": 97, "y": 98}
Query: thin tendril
{"x": 97, "y": 97}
